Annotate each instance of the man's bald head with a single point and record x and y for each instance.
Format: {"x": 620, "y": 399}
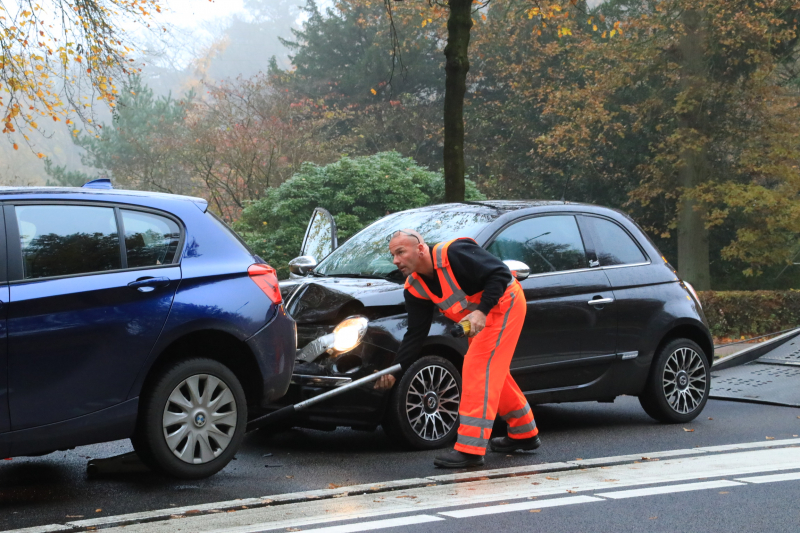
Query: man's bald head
{"x": 410, "y": 233}
{"x": 409, "y": 252}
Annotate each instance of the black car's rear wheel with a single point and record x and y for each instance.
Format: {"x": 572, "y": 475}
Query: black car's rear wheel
{"x": 423, "y": 407}
{"x": 192, "y": 419}
{"x": 679, "y": 382}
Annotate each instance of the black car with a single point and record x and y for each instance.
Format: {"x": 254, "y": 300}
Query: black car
{"x": 607, "y": 315}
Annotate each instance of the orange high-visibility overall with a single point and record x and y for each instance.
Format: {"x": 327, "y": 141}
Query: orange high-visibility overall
{"x": 487, "y": 386}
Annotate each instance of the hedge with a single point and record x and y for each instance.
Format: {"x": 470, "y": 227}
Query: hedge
{"x": 736, "y": 314}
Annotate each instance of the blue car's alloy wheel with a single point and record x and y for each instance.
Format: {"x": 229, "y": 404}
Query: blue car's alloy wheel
{"x": 192, "y": 419}
{"x": 199, "y": 419}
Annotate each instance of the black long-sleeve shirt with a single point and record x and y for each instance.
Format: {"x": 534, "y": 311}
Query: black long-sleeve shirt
{"x": 475, "y": 270}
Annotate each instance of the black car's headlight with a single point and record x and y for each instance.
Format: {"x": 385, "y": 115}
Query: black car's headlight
{"x": 348, "y": 334}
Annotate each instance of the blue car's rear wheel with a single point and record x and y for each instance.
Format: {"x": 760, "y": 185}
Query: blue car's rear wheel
{"x": 192, "y": 419}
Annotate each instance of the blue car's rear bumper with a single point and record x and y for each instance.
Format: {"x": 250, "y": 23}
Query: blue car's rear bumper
{"x": 274, "y": 346}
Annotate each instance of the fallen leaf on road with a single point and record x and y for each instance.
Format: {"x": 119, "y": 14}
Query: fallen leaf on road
{"x": 552, "y": 478}
{"x": 579, "y": 459}
{"x": 407, "y": 496}
{"x": 653, "y": 517}
{"x": 645, "y": 458}
{"x": 610, "y": 480}
{"x": 431, "y": 485}
{"x": 536, "y": 510}
{"x": 724, "y": 492}
{"x": 196, "y": 511}
{"x": 292, "y": 529}
{"x": 289, "y": 477}
{"x": 689, "y": 430}
{"x": 333, "y": 486}
{"x": 535, "y": 483}
{"x": 98, "y": 510}
{"x": 710, "y": 418}
{"x": 342, "y": 495}
{"x": 572, "y": 491}
{"x": 770, "y": 438}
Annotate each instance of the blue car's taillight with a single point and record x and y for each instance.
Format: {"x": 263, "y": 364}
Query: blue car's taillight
{"x": 267, "y": 279}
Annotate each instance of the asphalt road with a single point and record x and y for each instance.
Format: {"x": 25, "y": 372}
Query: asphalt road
{"x": 45, "y": 490}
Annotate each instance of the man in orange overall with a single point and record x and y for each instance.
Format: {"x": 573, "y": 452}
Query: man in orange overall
{"x": 466, "y": 282}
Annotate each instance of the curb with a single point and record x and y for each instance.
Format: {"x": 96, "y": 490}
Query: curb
{"x": 388, "y": 486}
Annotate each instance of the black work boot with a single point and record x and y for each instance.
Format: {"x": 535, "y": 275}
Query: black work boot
{"x": 508, "y": 445}
{"x": 457, "y": 459}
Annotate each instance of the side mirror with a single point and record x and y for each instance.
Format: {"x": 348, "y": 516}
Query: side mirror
{"x": 300, "y": 266}
{"x": 518, "y": 269}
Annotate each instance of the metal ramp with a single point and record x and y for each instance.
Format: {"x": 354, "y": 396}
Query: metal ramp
{"x": 766, "y": 373}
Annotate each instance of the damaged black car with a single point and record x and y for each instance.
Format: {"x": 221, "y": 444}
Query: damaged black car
{"x": 607, "y": 316}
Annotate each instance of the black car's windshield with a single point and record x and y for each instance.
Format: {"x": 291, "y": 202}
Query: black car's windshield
{"x": 366, "y": 254}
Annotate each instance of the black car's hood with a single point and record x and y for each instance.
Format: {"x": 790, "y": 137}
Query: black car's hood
{"x": 321, "y": 299}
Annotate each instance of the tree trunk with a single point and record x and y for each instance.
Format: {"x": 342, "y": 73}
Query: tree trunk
{"x": 693, "y": 252}
{"x": 459, "y": 24}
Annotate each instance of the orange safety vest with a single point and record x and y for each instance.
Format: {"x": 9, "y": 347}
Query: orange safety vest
{"x": 454, "y": 302}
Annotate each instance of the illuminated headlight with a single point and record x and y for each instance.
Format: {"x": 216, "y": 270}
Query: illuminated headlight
{"x": 349, "y": 333}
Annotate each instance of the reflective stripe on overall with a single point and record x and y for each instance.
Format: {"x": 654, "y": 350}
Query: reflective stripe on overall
{"x": 487, "y": 385}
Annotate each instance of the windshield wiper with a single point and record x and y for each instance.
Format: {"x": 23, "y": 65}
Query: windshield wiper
{"x": 359, "y": 276}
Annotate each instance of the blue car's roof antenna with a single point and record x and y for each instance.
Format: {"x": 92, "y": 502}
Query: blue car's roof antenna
{"x": 99, "y": 183}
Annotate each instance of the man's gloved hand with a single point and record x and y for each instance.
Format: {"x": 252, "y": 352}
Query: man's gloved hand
{"x": 477, "y": 321}
{"x": 385, "y": 382}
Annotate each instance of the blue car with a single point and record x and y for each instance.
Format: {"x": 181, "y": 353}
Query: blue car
{"x": 128, "y": 314}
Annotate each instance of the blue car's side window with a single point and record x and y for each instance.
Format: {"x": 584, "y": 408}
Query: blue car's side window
{"x": 61, "y": 240}
{"x": 150, "y": 240}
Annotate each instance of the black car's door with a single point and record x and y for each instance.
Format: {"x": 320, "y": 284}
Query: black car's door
{"x": 83, "y": 315}
{"x": 632, "y": 277}
{"x": 567, "y": 340}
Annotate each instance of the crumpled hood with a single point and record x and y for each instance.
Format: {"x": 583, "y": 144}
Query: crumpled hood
{"x": 312, "y": 299}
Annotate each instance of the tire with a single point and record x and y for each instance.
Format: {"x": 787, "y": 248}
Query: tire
{"x": 425, "y": 426}
{"x": 192, "y": 419}
{"x": 679, "y": 383}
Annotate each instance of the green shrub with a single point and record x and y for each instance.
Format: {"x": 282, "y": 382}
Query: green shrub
{"x": 357, "y": 191}
{"x": 736, "y": 314}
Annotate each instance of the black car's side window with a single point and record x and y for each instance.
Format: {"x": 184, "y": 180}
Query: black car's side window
{"x": 545, "y": 244}
{"x": 59, "y": 240}
{"x": 150, "y": 240}
{"x": 615, "y": 246}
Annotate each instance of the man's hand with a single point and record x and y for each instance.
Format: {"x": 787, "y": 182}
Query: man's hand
{"x": 477, "y": 321}
{"x": 385, "y": 382}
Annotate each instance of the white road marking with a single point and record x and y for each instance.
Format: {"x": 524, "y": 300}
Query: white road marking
{"x": 478, "y": 492}
{"x": 524, "y": 506}
{"x": 378, "y": 524}
{"x": 669, "y": 489}
{"x": 792, "y": 476}
{"x": 455, "y": 490}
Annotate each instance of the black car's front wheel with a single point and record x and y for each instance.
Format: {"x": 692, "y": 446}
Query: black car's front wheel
{"x": 192, "y": 419}
{"x": 679, "y": 383}
{"x": 423, "y": 407}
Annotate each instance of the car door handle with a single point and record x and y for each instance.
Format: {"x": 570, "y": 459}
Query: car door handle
{"x": 148, "y": 284}
{"x": 601, "y": 301}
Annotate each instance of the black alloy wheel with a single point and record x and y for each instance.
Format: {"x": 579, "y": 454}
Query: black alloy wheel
{"x": 679, "y": 382}
{"x": 192, "y": 419}
{"x": 423, "y": 406}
